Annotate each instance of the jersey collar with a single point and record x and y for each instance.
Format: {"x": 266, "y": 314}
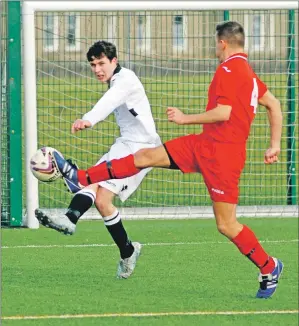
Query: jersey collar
{"x": 116, "y": 70}
{"x": 237, "y": 55}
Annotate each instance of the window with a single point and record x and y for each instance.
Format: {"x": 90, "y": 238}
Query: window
{"x": 179, "y": 29}
{"x": 111, "y": 29}
{"x": 143, "y": 37}
{"x": 271, "y": 22}
{"x": 259, "y": 32}
{"x": 50, "y": 27}
{"x": 72, "y": 42}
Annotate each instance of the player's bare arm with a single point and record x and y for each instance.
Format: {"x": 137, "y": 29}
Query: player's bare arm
{"x": 80, "y": 125}
{"x": 272, "y": 104}
{"x": 219, "y": 114}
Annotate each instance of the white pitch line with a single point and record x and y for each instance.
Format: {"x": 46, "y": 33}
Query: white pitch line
{"x": 154, "y": 314}
{"x": 144, "y": 244}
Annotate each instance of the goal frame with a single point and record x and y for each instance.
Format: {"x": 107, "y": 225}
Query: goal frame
{"x": 29, "y": 67}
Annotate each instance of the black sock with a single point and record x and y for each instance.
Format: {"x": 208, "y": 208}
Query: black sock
{"x": 80, "y": 203}
{"x": 116, "y": 229}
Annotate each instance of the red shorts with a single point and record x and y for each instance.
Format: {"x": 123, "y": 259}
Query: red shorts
{"x": 220, "y": 164}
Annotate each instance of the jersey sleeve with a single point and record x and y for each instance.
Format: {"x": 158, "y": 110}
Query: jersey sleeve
{"x": 114, "y": 97}
{"x": 262, "y": 87}
{"x": 225, "y": 86}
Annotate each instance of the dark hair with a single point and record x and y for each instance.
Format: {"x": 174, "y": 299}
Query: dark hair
{"x": 100, "y": 49}
{"x": 232, "y": 32}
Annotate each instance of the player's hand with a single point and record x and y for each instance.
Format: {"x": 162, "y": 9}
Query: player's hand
{"x": 175, "y": 115}
{"x": 80, "y": 125}
{"x": 271, "y": 155}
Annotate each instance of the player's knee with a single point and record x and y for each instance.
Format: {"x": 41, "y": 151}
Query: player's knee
{"x": 104, "y": 207}
{"x": 223, "y": 228}
{"x": 224, "y": 225}
{"x": 103, "y": 201}
{"x": 143, "y": 158}
{"x": 229, "y": 228}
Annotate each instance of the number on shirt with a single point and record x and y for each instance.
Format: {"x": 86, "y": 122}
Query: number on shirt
{"x": 254, "y": 96}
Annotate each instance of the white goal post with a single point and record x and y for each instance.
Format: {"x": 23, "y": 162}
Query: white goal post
{"x": 29, "y": 8}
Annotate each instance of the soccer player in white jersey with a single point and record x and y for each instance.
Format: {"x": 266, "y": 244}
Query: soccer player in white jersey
{"x": 126, "y": 98}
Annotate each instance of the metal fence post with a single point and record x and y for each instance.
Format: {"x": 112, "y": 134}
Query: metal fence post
{"x": 14, "y": 104}
{"x": 226, "y": 15}
{"x": 291, "y": 146}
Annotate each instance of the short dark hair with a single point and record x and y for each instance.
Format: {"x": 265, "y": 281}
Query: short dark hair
{"x": 100, "y": 49}
{"x": 232, "y": 32}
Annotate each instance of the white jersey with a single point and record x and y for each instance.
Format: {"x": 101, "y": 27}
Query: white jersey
{"x": 127, "y": 99}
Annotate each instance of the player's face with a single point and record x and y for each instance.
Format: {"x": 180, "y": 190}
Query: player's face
{"x": 220, "y": 47}
{"x": 103, "y": 68}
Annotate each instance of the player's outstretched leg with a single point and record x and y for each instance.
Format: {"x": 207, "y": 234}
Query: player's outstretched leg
{"x": 126, "y": 266}
{"x": 59, "y": 223}
{"x": 124, "y": 167}
{"x": 69, "y": 172}
{"x": 269, "y": 282}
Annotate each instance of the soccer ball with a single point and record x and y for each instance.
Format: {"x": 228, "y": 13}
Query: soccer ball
{"x": 43, "y": 166}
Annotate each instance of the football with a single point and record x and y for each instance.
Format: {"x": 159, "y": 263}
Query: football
{"x": 43, "y": 166}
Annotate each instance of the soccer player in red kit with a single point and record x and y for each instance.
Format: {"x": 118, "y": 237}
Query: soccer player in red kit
{"x": 218, "y": 153}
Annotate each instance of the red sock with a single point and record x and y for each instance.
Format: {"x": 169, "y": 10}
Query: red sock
{"x": 249, "y": 246}
{"x": 119, "y": 169}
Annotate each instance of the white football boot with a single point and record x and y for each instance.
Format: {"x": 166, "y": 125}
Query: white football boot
{"x": 126, "y": 266}
{"x": 59, "y": 223}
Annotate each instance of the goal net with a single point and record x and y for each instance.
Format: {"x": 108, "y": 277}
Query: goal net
{"x": 172, "y": 52}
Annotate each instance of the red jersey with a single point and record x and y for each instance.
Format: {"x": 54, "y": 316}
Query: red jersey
{"x": 234, "y": 84}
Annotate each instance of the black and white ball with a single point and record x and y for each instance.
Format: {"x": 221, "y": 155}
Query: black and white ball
{"x": 43, "y": 166}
